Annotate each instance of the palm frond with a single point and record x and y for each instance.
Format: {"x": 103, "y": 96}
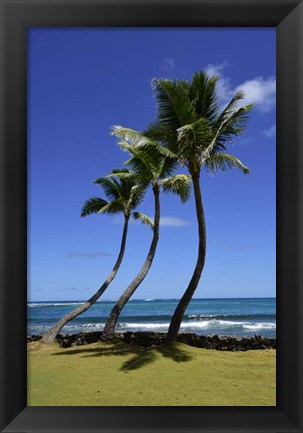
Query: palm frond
{"x": 155, "y": 130}
{"x": 143, "y": 218}
{"x": 109, "y": 186}
{"x": 231, "y": 126}
{"x": 231, "y": 106}
{"x": 93, "y": 205}
{"x": 193, "y": 139}
{"x": 174, "y": 107}
{"x": 136, "y": 196}
{"x": 168, "y": 167}
{"x": 124, "y": 175}
{"x": 130, "y": 136}
{"x": 222, "y": 161}
{"x": 141, "y": 167}
{"x": 126, "y": 147}
{"x": 203, "y": 97}
{"x": 131, "y": 186}
{"x": 116, "y": 171}
{"x": 133, "y": 141}
{"x": 234, "y": 124}
{"x": 162, "y": 134}
{"x": 113, "y": 207}
{"x": 179, "y": 184}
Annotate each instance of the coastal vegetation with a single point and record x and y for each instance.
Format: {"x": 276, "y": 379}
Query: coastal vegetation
{"x": 191, "y": 130}
{"x": 154, "y": 169}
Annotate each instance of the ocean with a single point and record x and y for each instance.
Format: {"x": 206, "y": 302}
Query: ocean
{"x": 237, "y": 317}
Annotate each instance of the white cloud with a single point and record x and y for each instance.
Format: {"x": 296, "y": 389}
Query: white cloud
{"x": 270, "y": 132}
{"x": 214, "y": 69}
{"x": 260, "y": 91}
{"x": 168, "y": 65}
{"x": 170, "y": 221}
{"x": 223, "y": 84}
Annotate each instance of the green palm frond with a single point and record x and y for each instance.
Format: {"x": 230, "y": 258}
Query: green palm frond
{"x": 231, "y": 126}
{"x": 161, "y": 133}
{"x": 109, "y": 186}
{"x": 174, "y": 107}
{"x": 131, "y": 187}
{"x": 141, "y": 167}
{"x": 234, "y": 124}
{"x": 231, "y": 106}
{"x": 124, "y": 175}
{"x": 93, "y": 205}
{"x": 113, "y": 207}
{"x": 118, "y": 171}
{"x": 136, "y": 196}
{"x": 126, "y": 147}
{"x": 193, "y": 139}
{"x": 167, "y": 168}
{"x": 143, "y": 218}
{"x": 155, "y": 130}
{"x": 133, "y": 141}
{"x": 222, "y": 161}
{"x": 203, "y": 96}
{"x": 130, "y": 136}
{"x": 179, "y": 184}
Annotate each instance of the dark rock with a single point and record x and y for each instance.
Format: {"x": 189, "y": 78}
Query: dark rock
{"x": 154, "y": 339}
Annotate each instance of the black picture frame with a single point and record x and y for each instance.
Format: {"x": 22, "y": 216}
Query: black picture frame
{"x": 16, "y": 17}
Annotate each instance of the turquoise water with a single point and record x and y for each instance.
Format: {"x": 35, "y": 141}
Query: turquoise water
{"x": 238, "y": 317}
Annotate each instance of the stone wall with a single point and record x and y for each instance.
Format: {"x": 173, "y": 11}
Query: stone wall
{"x": 153, "y": 339}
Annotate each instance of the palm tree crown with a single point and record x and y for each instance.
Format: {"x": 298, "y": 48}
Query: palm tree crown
{"x": 124, "y": 195}
{"x": 191, "y": 126}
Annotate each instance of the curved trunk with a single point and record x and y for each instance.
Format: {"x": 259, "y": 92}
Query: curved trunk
{"x": 50, "y": 336}
{"x": 188, "y": 294}
{"x": 109, "y": 328}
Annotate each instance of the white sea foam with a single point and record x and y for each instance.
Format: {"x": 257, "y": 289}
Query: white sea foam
{"x": 260, "y": 326}
{"x": 206, "y": 325}
{"x": 143, "y": 325}
{"x": 48, "y": 304}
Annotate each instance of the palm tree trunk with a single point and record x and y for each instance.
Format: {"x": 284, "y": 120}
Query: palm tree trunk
{"x": 50, "y": 336}
{"x": 110, "y": 325}
{"x": 188, "y": 294}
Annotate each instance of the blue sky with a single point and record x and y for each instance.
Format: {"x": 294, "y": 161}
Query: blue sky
{"x": 83, "y": 81}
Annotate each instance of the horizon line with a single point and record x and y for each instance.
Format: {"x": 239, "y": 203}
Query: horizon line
{"x": 154, "y": 299}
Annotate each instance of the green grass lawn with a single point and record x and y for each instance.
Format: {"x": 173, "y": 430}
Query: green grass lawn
{"x": 115, "y": 374}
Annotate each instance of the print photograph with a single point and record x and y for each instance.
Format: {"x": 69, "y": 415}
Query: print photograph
{"x": 151, "y": 216}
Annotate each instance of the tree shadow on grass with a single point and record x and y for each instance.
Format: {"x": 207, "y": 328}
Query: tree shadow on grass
{"x": 141, "y": 356}
{"x": 149, "y": 355}
{"x": 118, "y": 349}
{"x": 174, "y": 352}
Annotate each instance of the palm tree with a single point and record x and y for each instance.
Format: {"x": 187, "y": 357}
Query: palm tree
{"x": 124, "y": 195}
{"x": 155, "y": 169}
{"x": 191, "y": 126}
